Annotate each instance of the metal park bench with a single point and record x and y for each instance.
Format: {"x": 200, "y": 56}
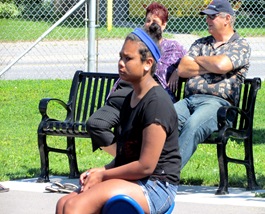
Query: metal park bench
{"x": 89, "y": 92}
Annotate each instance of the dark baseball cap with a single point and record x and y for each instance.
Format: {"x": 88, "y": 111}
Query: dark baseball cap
{"x": 217, "y": 6}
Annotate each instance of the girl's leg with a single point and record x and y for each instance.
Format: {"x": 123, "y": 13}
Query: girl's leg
{"x": 60, "y": 204}
{"x": 100, "y": 125}
{"x": 92, "y": 200}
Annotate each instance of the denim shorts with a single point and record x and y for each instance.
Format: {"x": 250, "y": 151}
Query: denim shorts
{"x": 159, "y": 194}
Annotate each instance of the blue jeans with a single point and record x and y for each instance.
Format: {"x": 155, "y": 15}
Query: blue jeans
{"x": 160, "y": 195}
{"x": 197, "y": 117}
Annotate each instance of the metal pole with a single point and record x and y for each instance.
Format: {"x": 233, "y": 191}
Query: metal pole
{"x": 109, "y": 15}
{"x": 92, "y": 37}
{"x": 68, "y": 13}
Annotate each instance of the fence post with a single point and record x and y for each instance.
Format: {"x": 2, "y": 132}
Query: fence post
{"x": 92, "y": 37}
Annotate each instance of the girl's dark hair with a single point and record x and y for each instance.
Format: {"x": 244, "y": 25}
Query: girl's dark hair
{"x": 155, "y": 32}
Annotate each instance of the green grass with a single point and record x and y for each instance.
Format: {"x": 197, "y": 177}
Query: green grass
{"x": 19, "y": 30}
{"x": 19, "y": 117}
{"x": 19, "y": 155}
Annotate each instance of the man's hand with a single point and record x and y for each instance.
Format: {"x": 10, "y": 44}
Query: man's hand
{"x": 188, "y": 67}
{"x": 220, "y": 64}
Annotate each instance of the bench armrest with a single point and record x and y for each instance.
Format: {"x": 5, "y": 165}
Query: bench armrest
{"x": 226, "y": 116}
{"x": 43, "y": 105}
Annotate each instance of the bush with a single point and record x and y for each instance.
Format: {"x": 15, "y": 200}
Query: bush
{"x": 179, "y": 8}
{"x": 35, "y": 10}
{"x": 6, "y": 1}
{"x": 8, "y": 10}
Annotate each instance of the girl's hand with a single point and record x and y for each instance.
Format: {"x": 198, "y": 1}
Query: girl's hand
{"x": 83, "y": 177}
{"x": 90, "y": 178}
{"x": 173, "y": 81}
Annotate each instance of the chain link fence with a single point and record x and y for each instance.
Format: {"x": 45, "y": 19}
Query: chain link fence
{"x": 27, "y": 51}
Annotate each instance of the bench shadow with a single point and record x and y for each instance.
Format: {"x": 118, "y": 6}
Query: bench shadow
{"x": 258, "y": 136}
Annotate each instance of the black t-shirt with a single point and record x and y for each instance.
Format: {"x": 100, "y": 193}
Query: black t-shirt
{"x": 154, "y": 107}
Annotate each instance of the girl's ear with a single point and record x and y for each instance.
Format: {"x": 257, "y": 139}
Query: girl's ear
{"x": 148, "y": 64}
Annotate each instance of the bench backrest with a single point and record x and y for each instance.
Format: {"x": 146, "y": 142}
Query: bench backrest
{"x": 88, "y": 92}
{"x": 247, "y": 99}
{"x": 247, "y": 102}
{"x": 180, "y": 93}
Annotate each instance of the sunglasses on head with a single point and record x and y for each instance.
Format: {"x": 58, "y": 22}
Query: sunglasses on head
{"x": 212, "y": 17}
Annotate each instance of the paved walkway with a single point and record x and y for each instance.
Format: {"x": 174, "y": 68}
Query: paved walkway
{"x": 60, "y": 59}
{"x": 29, "y": 197}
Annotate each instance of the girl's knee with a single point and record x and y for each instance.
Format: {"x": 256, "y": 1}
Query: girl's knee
{"x": 60, "y": 205}
{"x": 68, "y": 206}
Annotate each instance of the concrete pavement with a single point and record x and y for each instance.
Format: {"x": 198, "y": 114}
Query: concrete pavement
{"x": 29, "y": 197}
{"x": 53, "y": 59}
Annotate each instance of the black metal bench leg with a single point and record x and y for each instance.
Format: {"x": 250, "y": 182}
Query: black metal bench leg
{"x": 44, "y": 159}
{"x": 223, "y": 170}
{"x": 251, "y": 178}
{"x": 74, "y": 172}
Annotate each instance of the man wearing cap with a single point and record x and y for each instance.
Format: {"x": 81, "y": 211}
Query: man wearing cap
{"x": 214, "y": 66}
